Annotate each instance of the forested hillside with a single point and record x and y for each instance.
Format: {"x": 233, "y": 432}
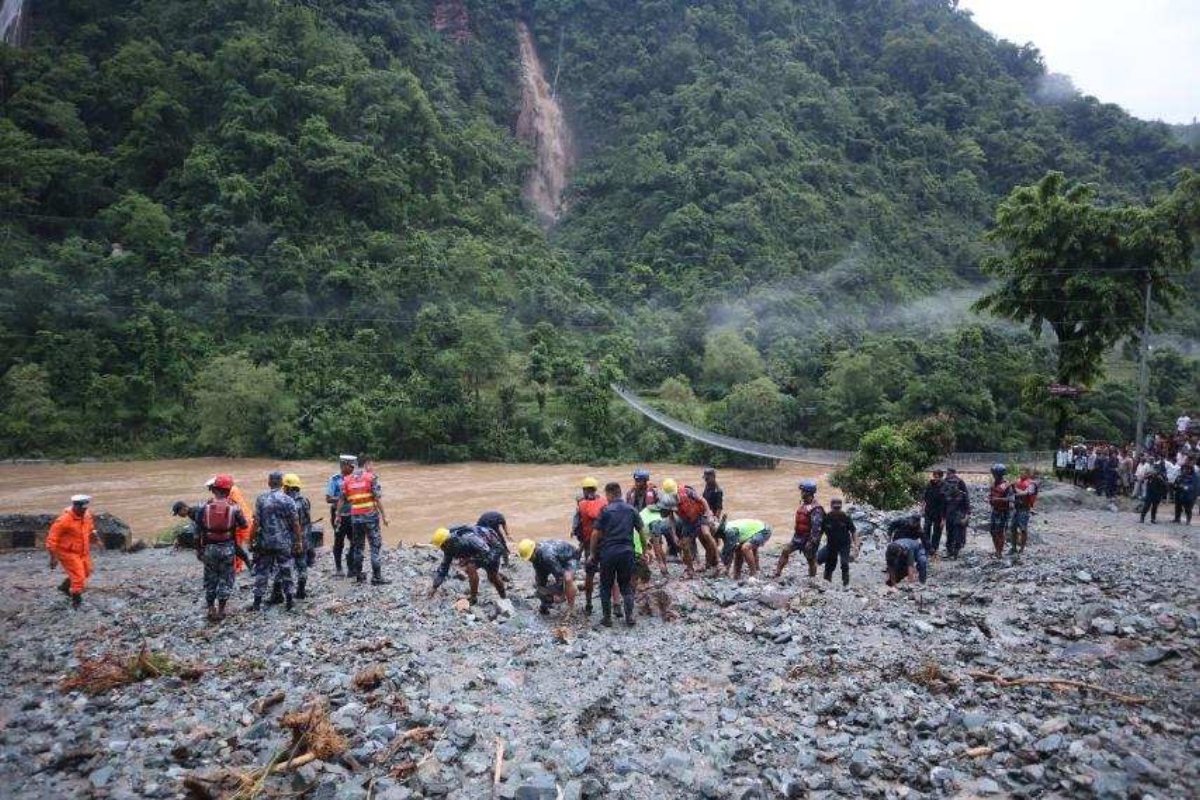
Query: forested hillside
{"x": 242, "y": 226}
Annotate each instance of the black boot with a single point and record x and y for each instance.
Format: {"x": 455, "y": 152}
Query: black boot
{"x": 629, "y": 613}
{"x": 212, "y": 613}
{"x": 221, "y": 609}
{"x": 257, "y": 603}
{"x": 300, "y": 593}
{"x": 76, "y": 600}
{"x": 377, "y": 578}
{"x": 65, "y": 586}
{"x": 606, "y": 621}
{"x": 276, "y": 595}
{"x": 288, "y": 602}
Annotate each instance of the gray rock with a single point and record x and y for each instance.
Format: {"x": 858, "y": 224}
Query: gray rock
{"x": 861, "y": 764}
{"x": 1139, "y": 768}
{"x": 576, "y": 760}
{"x": 674, "y": 761}
{"x": 539, "y": 787}
{"x": 1049, "y": 745}
{"x": 100, "y": 777}
{"x": 987, "y": 786}
{"x": 1110, "y": 784}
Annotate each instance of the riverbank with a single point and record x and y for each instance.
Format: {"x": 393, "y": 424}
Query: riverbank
{"x": 752, "y": 690}
{"x": 538, "y": 500}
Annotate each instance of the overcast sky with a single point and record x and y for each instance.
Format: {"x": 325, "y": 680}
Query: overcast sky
{"x": 1143, "y": 55}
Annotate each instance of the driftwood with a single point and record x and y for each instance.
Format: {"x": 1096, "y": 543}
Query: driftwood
{"x": 263, "y": 703}
{"x": 1057, "y": 683}
{"x": 410, "y": 735}
{"x": 499, "y": 764}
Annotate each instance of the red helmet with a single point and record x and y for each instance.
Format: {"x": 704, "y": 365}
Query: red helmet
{"x": 224, "y": 482}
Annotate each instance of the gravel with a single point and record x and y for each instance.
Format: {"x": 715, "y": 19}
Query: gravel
{"x": 760, "y": 688}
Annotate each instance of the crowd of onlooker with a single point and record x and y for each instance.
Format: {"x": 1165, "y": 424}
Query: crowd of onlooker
{"x": 1164, "y": 469}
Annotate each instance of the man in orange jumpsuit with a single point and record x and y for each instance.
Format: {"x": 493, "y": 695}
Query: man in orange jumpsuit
{"x": 69, "y": 543}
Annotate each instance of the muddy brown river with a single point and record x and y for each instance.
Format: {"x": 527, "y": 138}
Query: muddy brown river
{"x": 537, "y": 499}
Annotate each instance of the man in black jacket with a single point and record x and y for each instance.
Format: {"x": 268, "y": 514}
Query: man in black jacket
{"x": 933, "y": 511}
{"x": 612, "y": 546}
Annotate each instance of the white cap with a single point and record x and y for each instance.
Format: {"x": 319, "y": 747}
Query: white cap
{"x": 208, "y": 484}
{"x": 81, "y": 499}
{"x": 348, "y": 459}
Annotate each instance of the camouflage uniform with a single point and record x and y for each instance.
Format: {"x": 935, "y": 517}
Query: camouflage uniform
{"x": 218, "y": 557}
{"x": 275, "y": 513}
{"x": 365, "y": 528}
{"x": 301, "y": 561}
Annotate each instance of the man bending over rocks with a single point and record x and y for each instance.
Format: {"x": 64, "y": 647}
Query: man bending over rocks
{"x": 555, "y": 559}
{"x": 474, "y": 548}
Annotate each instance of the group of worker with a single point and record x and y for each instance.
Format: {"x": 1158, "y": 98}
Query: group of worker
{"x": 619, "y": 536}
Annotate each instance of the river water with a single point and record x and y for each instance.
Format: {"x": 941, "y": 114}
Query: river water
{"x": 536, "y": 499}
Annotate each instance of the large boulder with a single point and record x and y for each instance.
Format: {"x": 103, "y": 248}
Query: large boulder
{"x": 29, "y": 531}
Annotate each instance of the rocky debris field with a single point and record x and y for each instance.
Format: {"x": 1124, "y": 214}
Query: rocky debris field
{"x": 755, "y": 689}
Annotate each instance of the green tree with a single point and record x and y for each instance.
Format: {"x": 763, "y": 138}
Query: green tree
{"x": 885, "y": 471}
{"x": 1081, "y": 268}
{"x": 243, "y": 409}
{"x": 729, "y": 359}
{"x": 32, "y": 423}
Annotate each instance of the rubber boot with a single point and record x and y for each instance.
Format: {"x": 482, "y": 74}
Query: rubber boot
{"x": 257, "y": 604}
{"x": 300, "y": 593}
{"x": 377, "y": 578}
{"x": 276, "y": 595}
{"x": 65, "y": 587}
{"x": 288, "y": 604}
{"x": 361, "y": 577}
{"x": 212, "y": 613}
{"x": 76, "y": 600}
{"x": 629, "y": 623}
{"x": 607, "y": 621}
{"x": 221, "y": 610}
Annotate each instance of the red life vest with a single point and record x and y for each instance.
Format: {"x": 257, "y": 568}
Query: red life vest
{"x": 218, "y": 521}
{"x": 804, "y": 519}
{"x": 691, "y": 505}
{"x": 358, "y": 490}
{"x": 998, "y": 496}
{"x": 1024, "y": 485}
{"x": 589, "y": 512}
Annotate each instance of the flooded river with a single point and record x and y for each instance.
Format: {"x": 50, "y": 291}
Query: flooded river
{"x": 537, "y": 499}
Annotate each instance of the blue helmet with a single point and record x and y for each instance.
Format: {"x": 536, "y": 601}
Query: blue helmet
{"x": 999, "y": 469}
{"x": 808, "y": 487}
{"x": 641, "y": 474}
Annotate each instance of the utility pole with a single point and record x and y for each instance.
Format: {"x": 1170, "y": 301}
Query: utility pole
{"x": 1141, "y": 407}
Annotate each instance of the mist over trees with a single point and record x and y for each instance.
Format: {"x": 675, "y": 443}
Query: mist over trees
{"x": 301, "y": 225}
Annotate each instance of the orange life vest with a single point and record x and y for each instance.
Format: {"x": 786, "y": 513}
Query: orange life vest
{"x": 589, "y": 512}
{"x": 1024, "y": 485}
{"x": 691, "y": 505}
{"x": 804, "y": 519}
{"x": 358, "y": 490}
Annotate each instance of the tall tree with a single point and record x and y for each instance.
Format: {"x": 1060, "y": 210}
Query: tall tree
{"x": 1081, "y": 268}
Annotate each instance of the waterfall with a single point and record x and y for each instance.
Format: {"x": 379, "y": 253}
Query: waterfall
{"x": 541, "y": 123}
{"x": 12, "y": 21}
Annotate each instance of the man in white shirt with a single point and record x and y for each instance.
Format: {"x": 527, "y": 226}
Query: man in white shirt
{"x": 1183, "y": 423}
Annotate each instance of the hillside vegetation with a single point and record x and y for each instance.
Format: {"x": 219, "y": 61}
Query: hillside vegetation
{"x": 241, "y": 226}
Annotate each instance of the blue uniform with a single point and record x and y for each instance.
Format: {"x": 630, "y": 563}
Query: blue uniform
{"x": 275, "y": 516}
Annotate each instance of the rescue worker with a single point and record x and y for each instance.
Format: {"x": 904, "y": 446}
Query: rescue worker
{"x": 339, "y": 512}
{"x": 472, "y": 547}
{"x": 840, "y": 535}
{"x": 70, "y": 544}
{"x": 741, "y": 542}
{"x": 1000, "y": 498}
{"x": 612, "y": 547}
{"x": 555, "y": 563}
{"x": 1155, "y": 492}
{"x": 642, "y": 493}
{"x": 933, "y": 510}
{"x": 693, "y": 522}
{"x": 669, "y": 487}
{"x": 217, "y": 524}
{"x": 242, "y": 535}
{"x": 293, "y": 488}
{"x": 958, "y": 512}
{"x": 656, "y": 521}
{"x": 276, "y": 538}
{"x": 714, "y": 495}
{"x": 1025, "y": 494}
{"x": 363, "y": 498}
{"x": 587, "y": 510}
{"x": 1185, "y": 487}
{"x": 906, "y": 558}
{"x": 809, "y": 517}
{"x": 193, "y": 512}
{"x": 908, "y": 526}
{"x": 496, "y": 522}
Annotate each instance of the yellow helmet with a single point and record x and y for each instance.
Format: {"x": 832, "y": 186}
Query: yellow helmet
{"x": 440, "y": 536}
{"x": 525, "y": 549}
{"x": 291, "y": 481}
{"x": 669, "y": 486}
{"x": 589, "y": 483}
